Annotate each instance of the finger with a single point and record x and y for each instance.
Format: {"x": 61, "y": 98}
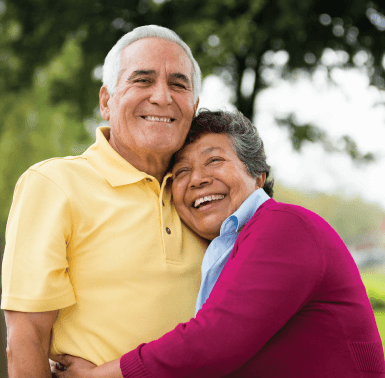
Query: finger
{"x": 60, "y": 367}
{"x": 63, "y": 360}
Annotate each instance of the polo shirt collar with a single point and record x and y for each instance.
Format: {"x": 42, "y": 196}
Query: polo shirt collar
{"x": 114, "y": 168}
{"x": 236, "y": 221}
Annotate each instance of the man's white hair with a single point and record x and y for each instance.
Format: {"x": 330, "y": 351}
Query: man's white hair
{"x": 111, "y": 67}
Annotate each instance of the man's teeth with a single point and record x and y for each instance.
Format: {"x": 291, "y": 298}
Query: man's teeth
{"x": 208, "y": 198}
{"x": 157, "y": 119}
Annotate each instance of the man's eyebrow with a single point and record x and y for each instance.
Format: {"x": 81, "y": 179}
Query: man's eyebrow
{"x": 176, "y": 75}
{"x": 137, "y": 73}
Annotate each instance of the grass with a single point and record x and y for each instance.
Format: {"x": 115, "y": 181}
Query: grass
{"x": 375, "y": 287}
{"x": 380, "y": 320}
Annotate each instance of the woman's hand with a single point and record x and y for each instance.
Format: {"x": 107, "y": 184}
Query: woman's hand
{"x": 75, "y": 367}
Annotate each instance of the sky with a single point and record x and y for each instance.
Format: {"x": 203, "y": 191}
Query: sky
{"x": 345, "y": 107}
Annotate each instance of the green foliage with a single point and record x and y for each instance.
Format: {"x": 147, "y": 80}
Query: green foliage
{"x": 38, "y": 125}
{"x": 227, "y": 38}
{"x": 245, "y": 29}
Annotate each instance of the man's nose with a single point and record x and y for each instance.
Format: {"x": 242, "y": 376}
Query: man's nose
{"x": 161, "y": 94}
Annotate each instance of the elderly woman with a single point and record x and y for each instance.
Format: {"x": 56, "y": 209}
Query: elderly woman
{"x": 280, "y": 296}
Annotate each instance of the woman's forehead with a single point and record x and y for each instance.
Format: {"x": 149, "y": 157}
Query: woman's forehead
{"x": 204, "y": 145}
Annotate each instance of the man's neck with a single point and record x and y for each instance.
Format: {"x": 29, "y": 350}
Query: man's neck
{"x": 155, "y": 164}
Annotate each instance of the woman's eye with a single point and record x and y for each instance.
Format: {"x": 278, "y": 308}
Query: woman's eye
{"x": 179, "y": 172}
{"x": 214, "y": 160}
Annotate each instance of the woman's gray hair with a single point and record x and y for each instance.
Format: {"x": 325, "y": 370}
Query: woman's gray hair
{"x": 243, "y": 135}
{"x": 111, "y": 67}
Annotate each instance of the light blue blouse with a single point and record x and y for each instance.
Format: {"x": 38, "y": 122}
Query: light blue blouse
{"x": 219, "y": 250}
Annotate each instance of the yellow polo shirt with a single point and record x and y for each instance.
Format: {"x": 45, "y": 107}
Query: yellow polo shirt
{"x": 101, "y": 241}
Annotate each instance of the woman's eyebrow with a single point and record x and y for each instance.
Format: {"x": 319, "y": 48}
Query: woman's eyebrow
{"x": 211, "y": 149}
{"x": 204, "y": 152}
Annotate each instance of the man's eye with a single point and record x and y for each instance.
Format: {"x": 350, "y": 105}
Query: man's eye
{"x": 179, "y": 85}
{"x": 142, "y": 81}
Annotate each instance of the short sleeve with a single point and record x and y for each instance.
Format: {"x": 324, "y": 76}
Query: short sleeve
{"x": 35, "y": 267}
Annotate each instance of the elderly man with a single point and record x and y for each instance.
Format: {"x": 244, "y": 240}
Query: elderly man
{"x": 97, "y": 260}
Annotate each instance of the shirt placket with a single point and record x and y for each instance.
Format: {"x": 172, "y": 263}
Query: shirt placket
{"x": 170, "y": 225}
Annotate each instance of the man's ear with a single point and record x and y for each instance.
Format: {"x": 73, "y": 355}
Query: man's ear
{"x": 104, "y": 97}
{"x": 261, "y": 180}
{"x": 196, "y": 106}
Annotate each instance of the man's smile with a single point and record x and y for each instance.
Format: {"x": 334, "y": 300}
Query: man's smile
{"x": 158, "y": 119}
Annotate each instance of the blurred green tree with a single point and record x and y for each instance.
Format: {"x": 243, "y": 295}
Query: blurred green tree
{"x": 243, "y": 41}
{"x": 37, "y": 127}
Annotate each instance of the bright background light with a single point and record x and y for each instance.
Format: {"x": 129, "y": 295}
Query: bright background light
{"x": 347, "y": 107}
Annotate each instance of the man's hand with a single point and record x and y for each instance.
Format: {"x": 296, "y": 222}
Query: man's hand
{"x": 28, "y": 343}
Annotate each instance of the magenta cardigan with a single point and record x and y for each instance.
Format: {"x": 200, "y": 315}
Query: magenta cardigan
{"x": 289, "y": 303}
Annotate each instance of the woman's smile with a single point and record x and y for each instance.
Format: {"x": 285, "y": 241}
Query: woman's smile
{"x": 207, "y": 198}
{"x": 209, "y": 204}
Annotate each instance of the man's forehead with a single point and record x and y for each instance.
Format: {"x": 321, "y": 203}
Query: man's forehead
{"x": 146, "y": 54}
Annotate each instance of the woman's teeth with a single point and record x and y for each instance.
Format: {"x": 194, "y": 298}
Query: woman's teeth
{"x": 208, "y": 199}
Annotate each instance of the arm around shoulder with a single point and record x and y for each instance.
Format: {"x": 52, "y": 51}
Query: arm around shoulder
{"x": 28, "y": 343}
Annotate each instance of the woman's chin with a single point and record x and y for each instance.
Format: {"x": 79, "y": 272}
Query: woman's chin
{"x": 207, "y": 234}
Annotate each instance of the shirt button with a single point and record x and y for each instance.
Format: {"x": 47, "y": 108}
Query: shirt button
{"x": 168, "y": 230}
{"x": 162, "y": 202}
{"x": 148, "y": 179}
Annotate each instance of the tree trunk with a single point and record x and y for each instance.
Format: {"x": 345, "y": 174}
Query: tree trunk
{"x": 246, "y": 104}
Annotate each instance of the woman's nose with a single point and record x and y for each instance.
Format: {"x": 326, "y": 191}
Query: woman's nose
{"x": 199, "y": 178}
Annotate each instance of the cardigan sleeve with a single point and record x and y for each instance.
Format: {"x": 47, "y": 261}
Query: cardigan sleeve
{"x": 274, "y": 268}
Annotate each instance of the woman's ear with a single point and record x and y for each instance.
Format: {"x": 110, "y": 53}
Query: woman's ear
{"x": 261, "y": 180}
